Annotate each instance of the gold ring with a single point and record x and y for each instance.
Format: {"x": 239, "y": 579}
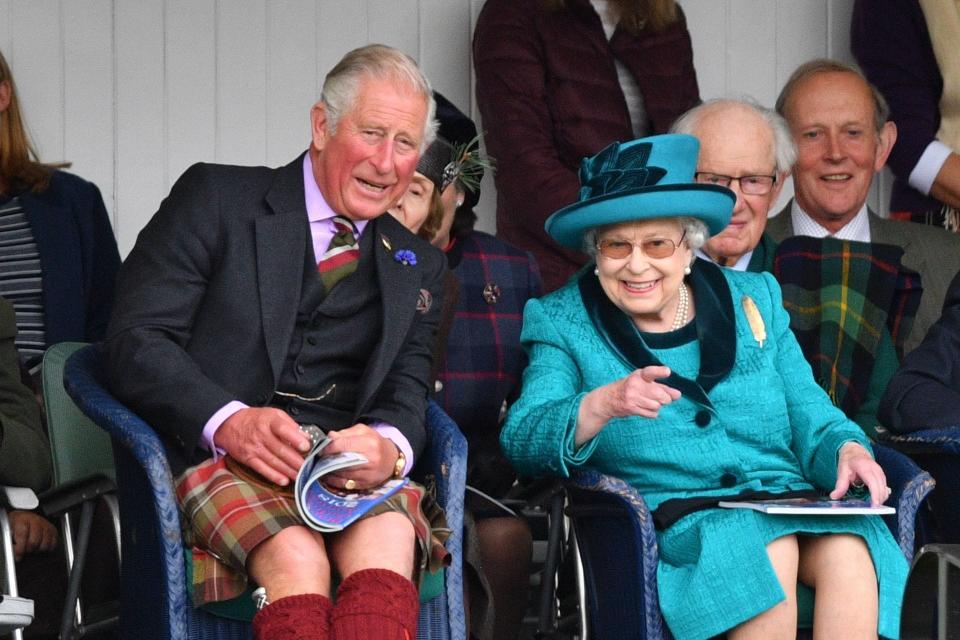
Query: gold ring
{"x": 350, "y": 484}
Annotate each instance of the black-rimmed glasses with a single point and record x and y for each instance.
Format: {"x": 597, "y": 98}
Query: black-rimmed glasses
{"x": 651, "y": 247}
{"x": 750, "y": 185}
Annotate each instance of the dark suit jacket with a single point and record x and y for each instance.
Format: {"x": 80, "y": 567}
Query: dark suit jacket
{"x": 925, "y": 392}
{"x": 78, "y": 255}
{"x": 207, "y": 302}
{"x": 933, "y": 253}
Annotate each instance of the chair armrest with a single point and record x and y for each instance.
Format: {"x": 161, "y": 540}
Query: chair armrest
{"x": 909, "y": 486}
{"x": 18, "y": 498}
{"x": 621, "y": 579}
{"x": 60, "y": 499}
{"x": 945, "y": 440}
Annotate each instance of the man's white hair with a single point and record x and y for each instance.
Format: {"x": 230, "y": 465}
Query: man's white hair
{"x": 342, "y": 84}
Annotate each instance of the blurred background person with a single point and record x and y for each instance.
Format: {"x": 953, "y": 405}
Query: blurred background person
{"x": 480, "y": 366}
{"x": 908, "y": 50}
{"x": 58, "y": 254}
{"x": 557, "y": 80}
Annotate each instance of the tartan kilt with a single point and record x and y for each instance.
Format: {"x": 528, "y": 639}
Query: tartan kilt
{"x": 225, "y": 515}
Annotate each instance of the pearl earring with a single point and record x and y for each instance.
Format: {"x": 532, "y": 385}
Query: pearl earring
{"x": 596, "y": 271}
{"x": 686, "y": 270}
{"x": 459, "y": 202}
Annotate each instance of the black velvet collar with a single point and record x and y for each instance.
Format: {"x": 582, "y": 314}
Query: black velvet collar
{"x": 715, "y": 323}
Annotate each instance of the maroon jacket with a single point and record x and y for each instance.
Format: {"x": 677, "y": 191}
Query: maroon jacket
{"x": 548, "y": 93}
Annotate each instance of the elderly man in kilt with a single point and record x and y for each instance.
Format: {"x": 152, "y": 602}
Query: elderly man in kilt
{"x": 258, "y": 300}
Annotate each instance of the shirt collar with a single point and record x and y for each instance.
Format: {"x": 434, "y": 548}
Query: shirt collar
{"x": 740, "y": 265}
{"x": 858, "y": 229}
{"x": 318, "y": 209}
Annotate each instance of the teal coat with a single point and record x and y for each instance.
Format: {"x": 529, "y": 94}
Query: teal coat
{"x": 751, "y": 417}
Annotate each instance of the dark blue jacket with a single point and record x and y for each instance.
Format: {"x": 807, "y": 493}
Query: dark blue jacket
{"x": 78, "y": 255}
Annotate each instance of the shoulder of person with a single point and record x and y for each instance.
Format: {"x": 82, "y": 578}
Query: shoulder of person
{"x": 761, "y": 286}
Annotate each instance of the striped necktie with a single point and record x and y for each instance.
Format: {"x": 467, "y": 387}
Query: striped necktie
{"x": 340, "y": 259}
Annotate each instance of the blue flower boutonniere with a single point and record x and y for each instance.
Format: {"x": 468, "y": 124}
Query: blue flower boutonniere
{"x": 405, "y": 256}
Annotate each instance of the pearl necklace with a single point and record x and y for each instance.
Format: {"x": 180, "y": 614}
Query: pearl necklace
{"x": 683, "y": 306}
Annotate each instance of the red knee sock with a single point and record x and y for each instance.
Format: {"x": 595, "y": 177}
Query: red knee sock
{"x": 302, "y": 617}
{"x": 375, "y": 604}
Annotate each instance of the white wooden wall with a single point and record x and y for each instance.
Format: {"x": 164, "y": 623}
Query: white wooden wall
{"x": 134, "y": 91}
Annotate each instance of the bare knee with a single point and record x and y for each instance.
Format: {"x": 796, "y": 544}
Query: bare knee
{"x": 385, "y": 541}
{"x": 827, "y": 559}
{"x": 293, "y": 561}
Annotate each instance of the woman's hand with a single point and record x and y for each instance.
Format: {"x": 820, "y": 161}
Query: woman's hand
{"x": 857, "y": 466}
{"x": 638, "y": 394}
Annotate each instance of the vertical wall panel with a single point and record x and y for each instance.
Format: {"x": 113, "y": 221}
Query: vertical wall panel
{"x": 395, "y": 22}
{"x": 139, "y": 37}
{"x": 445, "y": 48}
{"x": 37, "y": 54}
{"x": 190, "y": 79}
{"x": 341, "y": 26}
{"x": 6, "y": 17}
{"x": 89, "y": 141}
{"x": 801, "y": 36}
{"x": 292, "y": 77}
{"x": 707, "y": 23}
{"x": 486, "y": 209}
{"x": 241, "y": 82}
{"x": 751, "y": 49}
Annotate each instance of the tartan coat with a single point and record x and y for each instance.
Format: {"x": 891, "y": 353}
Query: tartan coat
{"x": 750, "y": 417}
{"x": 933, "y": 253}
{"x": 484, "y": 362}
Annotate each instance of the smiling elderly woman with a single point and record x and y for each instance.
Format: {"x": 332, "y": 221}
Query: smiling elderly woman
{"x": 685, "y": 380}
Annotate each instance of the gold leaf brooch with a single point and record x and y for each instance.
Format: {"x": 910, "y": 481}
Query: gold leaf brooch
{"x": 754, "y": 320}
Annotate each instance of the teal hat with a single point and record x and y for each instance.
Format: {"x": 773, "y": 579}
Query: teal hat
{"x": 641, "y": 180}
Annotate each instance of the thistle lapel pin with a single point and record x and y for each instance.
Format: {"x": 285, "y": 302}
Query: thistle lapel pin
{"x": 754, "y": 319}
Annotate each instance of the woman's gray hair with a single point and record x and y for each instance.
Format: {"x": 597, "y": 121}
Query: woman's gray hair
{"x": 695, "y": 235}
{"x": 784, "y": 150}
{"x": 342, "y": 84}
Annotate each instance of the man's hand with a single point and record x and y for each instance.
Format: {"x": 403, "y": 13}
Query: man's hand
{"x": 265, "y": 439}
{"x": 856, "y": 465}
{"x": 380, "y": 452}
{"x": 31, "y": 533}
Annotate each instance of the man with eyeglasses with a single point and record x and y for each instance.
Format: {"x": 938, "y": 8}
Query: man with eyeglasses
{"x": 840, "y": 125}
{"x": 746, "y": 148}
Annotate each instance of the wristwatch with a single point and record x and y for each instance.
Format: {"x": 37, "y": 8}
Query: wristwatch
{"x": 400, "y": 464}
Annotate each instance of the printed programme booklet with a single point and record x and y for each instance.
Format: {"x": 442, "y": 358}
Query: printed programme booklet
{"x": 811, "y": 506}
{"x": 327, "y": 508}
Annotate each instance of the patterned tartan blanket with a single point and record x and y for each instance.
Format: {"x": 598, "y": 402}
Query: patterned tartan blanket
{"x": 841, "y": 296}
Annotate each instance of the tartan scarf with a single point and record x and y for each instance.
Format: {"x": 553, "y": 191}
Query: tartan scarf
{"x": 841, "y": 296}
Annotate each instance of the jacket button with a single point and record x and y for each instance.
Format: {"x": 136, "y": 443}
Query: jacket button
{"x": 437, "y": 386}
{"x": 728, "y": 480}
{"x": 299, "y": 369}
{"x": 702, "y": 418}
{"x": 312, "y": 341}
{"x": 294, "y": 410}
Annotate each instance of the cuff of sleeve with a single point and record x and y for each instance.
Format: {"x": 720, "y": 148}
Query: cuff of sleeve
{"x": 928, "y": 166}
{"x": 393, "y": 434}
{"x": 572, "y": 455}
{"x": 214, "y": 423}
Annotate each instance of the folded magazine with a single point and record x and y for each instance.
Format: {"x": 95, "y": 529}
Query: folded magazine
{"x": 327, "y": 508}
{"x": 810, "y": 507}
